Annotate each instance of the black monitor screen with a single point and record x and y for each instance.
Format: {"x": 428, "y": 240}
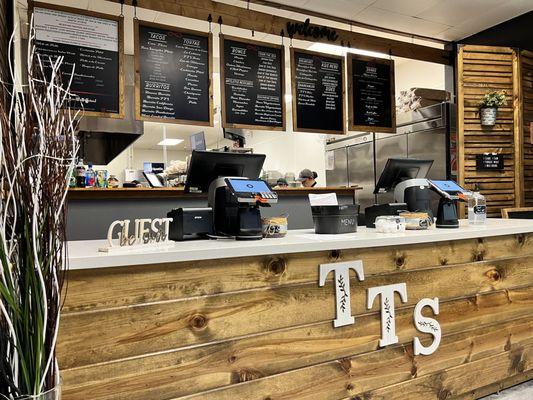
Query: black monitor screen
{"x": 206, "y": 166}
{"x": 400, "y": 169}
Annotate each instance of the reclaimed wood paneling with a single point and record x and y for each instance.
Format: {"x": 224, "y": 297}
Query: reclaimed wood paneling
{"x": 481, "y": 69}
{"x": 260, "y": 327}
{"x": 526, "y": 69}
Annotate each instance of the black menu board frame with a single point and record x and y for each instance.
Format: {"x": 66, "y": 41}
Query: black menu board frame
{"x": 138, "y": 100}
{"x": 324, "y": 56}
{"x": 244, "y": 41}
{"x": 390, "y": 128}
{"x": 120, "y": 33}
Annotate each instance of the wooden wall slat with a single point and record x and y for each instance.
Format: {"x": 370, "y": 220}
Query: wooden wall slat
{"x": 526, "y": 67}
{"x": 481, "y": 69}
{"x": 193, "y": 370}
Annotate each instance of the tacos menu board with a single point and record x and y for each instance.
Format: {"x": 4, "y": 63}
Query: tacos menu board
{"x": 252, "y": 84}
{"x": 91, "y": 47}
{"x": 173, "y": 67}
{"x": 318, "y": 92}
{"x": 371, "y": 99}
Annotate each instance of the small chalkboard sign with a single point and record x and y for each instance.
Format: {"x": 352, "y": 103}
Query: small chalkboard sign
{"x": 91, "y": 43}
{"x": 173, "y": 68}
{"x": 252, "y": 84}
{"x": 318, "y": 92}
{"x": 371, "y": 99}
{"x": 489, "y": 162}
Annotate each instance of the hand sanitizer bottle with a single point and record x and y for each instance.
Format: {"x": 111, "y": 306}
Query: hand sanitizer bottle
{"x": 477, "y": 209}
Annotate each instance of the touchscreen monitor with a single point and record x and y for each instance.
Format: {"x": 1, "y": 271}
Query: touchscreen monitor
{"x": 248, "y": 186}
{"x": 447, "y": 186}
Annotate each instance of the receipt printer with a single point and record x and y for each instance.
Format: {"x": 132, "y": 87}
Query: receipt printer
{"x": 190, "y": 223}
{"x": 236, "y": 204}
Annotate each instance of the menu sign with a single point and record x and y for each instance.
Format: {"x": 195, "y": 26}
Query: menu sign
{"x": 489, "y": 161}
{"x": 173, "y": 68}
{"x": 91, "y": 47}
{"x": 252, "y": 84}
{"x": 318, "y": 92}
{"x": 371, "y": 100}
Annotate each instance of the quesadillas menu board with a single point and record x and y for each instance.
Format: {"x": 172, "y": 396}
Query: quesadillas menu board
{"x": 372, "y": 96}
{"x": 318, "y": 92}
{"x": 174, "y": 69}
{"x": 90, "y": 44}
{"x": 252, "y": 84}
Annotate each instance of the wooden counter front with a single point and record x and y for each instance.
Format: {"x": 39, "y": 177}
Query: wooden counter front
{"x": 257, "y": 328}
{"x": 143, "y": 193}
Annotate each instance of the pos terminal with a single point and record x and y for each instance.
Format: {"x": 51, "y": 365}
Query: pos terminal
{"x": 235, "y": 192}
{"x": 450, "y": 192}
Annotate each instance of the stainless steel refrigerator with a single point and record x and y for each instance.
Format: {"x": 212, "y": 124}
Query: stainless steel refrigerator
{"x": 360, "y": 159}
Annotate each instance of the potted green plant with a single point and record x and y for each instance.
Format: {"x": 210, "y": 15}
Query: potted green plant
{"x": 37, "y": 156}
{"x": 488, "y": 106}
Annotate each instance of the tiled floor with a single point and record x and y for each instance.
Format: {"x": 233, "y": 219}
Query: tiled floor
{"x": 523, "y": 391}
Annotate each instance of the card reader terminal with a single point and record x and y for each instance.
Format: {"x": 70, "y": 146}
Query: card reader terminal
{"x": 251, "y": 191}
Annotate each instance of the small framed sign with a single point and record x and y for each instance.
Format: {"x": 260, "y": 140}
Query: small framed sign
{"x": 489, "y": 161}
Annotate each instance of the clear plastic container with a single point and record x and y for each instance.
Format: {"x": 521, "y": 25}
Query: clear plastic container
{"x": 390, "y": 224}
{"x": 477, "y": 209}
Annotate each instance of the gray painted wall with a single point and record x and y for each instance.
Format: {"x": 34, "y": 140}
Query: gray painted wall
{"x": 90, "y": 219}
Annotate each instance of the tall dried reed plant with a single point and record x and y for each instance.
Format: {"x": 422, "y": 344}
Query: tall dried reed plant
{"x": 37, "y": 152}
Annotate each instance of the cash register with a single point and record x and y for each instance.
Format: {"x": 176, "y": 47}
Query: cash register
{"x": 235, "y": 192}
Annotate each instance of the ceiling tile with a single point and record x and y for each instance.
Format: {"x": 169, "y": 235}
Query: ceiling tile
{"x": 338, "y": 8}
{"x": 406, "y": 7}
{"x": 455, "y": 12}
{"x": 400, "y": 22}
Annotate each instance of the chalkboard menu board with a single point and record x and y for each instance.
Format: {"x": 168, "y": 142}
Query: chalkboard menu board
{"x": 371, "y": 100}
{"x": 173, "y": 74}
{"x": 252, "y": 84}
{"x": 92, "y": 44}
{"x": 318, "y": 92}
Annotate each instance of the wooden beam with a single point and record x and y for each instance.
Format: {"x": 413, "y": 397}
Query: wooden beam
{"x": 240, "y": 17}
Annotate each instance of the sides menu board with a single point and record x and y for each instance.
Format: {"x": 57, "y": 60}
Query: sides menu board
{"x": 252, "y": 84}
{"x": 372, "y": 106}
{"x": 92, "y": 44}
{"x": 318, "y": 92}
{"x": 173, "y": 74}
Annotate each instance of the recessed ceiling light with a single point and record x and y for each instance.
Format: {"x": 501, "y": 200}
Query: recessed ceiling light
{"x": 331, "y": 48}
{"x": 170, "y": 142}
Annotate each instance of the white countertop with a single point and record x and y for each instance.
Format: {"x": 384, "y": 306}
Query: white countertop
{"x": 84, "y": 254}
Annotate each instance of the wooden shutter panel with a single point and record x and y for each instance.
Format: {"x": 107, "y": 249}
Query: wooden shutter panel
{"x": 526, "y": 67}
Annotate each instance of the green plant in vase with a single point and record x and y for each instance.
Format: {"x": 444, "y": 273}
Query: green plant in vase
{"x": 488, "y": 106}
{"x": 37, "y": 156}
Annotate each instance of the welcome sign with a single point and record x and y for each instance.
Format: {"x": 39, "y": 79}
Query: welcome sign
{"x": 341, "y": 275}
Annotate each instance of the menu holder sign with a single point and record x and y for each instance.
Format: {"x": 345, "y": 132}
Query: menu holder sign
{"x": 318, "y": 92}
{"x": 173, "y": 69}
{"x": 91, "y": 43}
{"x": 489, "y": 162}
{"x": 371, "y": 100}
{"x": 252, "y": 84}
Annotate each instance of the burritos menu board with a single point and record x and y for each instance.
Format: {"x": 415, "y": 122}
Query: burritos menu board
{"x": 371, "y": 98}
{"x": 173, "y": 69}
{"x": 252, "y": 84}
{"x": 91, "y": 47}
{"x": 318, "y": 92}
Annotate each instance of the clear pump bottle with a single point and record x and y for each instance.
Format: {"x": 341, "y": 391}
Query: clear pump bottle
{"x": 477, "y": 209}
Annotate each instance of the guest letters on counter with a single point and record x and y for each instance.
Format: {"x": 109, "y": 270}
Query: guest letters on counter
{"x": 146, "y": 232}
{"x": 386, "y": 293}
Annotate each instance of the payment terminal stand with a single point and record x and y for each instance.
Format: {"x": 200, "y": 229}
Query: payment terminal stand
{"x": 236, "y": 205}
{"x": 450, "y": 193}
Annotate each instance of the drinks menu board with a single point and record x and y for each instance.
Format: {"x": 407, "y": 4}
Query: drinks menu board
{"x": 173, "y": 74}
{"x": 318, "y": 92}
{"x": 91, "y": 46}
{"x": 252, "y": 84}
{"x": 371, "y": 100}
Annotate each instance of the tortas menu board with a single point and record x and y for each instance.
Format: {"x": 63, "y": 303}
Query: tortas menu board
{"x": 252, "y": 84}
{"x": 318, "y": 92}
{"x": 91, "y": 46}
{"x": 371, "y": 94}
{"x": 173, "y": 81}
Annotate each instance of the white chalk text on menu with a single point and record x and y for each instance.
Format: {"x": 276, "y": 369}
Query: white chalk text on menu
{"x": 90, "y": 47}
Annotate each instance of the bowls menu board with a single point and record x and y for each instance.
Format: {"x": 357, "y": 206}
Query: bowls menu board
{"x": 371, "y": 100}
{"x": 318, "y": 92}
{"x": 173, "y": 70}
{"x": 91, "y": 45}
{"x": 252, "y": 84}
